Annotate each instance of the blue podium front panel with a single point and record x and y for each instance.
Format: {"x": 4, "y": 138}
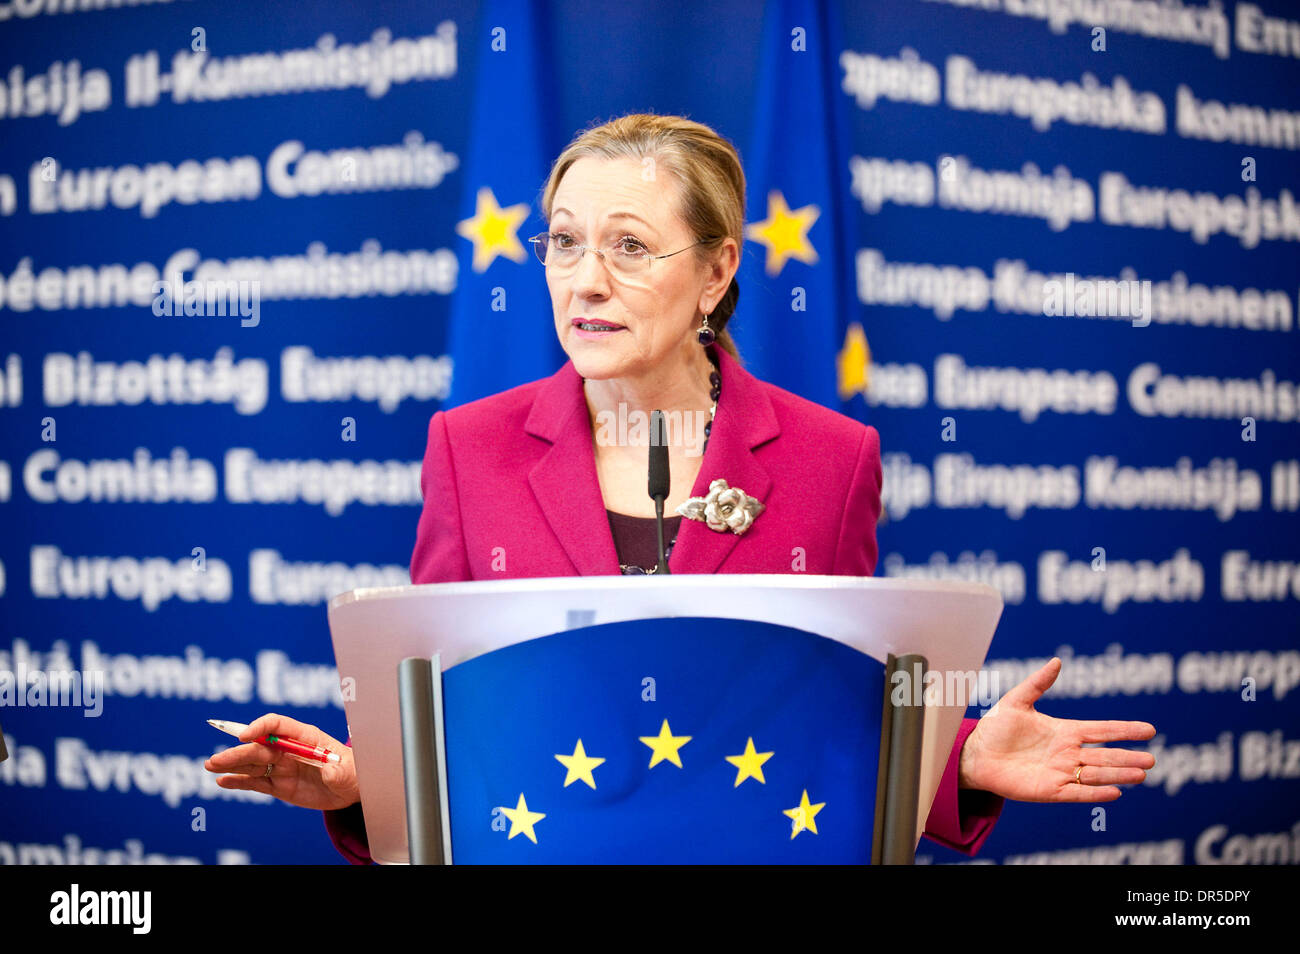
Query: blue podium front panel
{"x": 664, "y": 741}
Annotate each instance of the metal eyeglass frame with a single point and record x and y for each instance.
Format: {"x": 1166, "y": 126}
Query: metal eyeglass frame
{"x": 538, "y": 248}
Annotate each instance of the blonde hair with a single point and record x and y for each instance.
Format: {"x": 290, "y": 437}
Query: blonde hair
{"x": 706, "y": 166}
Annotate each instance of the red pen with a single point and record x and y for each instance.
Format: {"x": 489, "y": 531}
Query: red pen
{"x": 302, "y": 751}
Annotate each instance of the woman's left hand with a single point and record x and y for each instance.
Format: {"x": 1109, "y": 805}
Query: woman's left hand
{"x": 1018, "y": 752}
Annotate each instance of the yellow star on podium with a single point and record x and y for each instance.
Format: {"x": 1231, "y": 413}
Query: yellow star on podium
{"x": 749, "y": 764}
{"x": 785, "y": 233}
{"x": 522, "y": 820}
{"x": 579, "y": 766}
{"x": 665, "y": 745}
{"x": 492, "y": 230}
{"x": 854, "y": 363}
{"x": 803, "y": 815}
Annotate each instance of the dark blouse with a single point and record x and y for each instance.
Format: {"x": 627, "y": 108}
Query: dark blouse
{"x": 637, "y": 542}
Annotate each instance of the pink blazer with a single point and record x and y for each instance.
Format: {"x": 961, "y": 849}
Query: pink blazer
{"x": 517, "y": 471}
{"x": 510, "y": 490}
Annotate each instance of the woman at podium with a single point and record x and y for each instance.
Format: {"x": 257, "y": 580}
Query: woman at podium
{"x": 549, "y": 479}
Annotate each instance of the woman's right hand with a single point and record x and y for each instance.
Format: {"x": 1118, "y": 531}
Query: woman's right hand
{"x": 330, "y": 786}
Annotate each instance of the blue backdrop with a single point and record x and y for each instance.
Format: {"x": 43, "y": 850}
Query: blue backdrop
{"x": 181, "y": 493}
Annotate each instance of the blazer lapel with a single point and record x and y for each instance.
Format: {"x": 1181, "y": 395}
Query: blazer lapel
{"x": 564, "y": 480}
{"x": 744, "y": 420}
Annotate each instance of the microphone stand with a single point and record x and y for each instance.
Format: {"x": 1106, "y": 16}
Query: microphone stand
{"x": 659, "y": 481}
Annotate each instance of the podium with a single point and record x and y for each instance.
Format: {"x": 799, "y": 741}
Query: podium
{"x": 553, "y": 709}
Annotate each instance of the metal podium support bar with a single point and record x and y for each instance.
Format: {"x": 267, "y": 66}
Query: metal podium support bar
{"x": 898, "y": 785}
{"x": 424, "y": 760}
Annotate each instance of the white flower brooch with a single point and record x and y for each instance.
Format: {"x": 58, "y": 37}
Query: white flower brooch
{"x": 725, "y": 508}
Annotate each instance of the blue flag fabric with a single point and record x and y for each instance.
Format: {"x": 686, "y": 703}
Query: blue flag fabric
{"x": 502, "y": 332}
{"x": 791, "y": 320}
{"x": 664, "y": 741}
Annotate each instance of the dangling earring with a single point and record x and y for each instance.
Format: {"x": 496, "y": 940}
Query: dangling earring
{"x": 706, "y": 335}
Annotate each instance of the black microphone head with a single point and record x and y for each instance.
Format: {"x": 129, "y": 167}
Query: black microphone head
{"x": 659, "y": 480}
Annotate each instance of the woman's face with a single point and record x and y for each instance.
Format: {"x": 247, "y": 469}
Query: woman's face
{"x": 598, "y": 203}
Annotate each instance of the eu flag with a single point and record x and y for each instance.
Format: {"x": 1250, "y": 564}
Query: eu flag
{"x": 502, "y": 333}
{"x": 682, "y": 740}
{"x": 792, "y": 325}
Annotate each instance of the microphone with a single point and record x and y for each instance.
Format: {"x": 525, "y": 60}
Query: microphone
{"x": 659, "y": 480}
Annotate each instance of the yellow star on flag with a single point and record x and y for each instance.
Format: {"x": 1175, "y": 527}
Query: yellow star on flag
{"x": 785, "y": 233}
{"x": 492, "y": 230}
{"x": 579, "y": 766}
{"x": 522, "y": 820}
{"x": 854, "y": 363}
{"x": 749, "y": 764}
{"x": 803, "y": 815}
{"x": 665, "y": 745}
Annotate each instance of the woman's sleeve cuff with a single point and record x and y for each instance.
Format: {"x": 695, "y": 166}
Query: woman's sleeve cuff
{"x": 961, "y": 819}
{"x": 347, "y": 829}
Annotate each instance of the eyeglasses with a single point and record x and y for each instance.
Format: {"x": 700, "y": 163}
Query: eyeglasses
{"x": 627, "y": 257}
